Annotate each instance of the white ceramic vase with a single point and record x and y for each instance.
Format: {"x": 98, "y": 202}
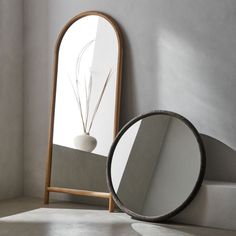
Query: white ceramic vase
{"x": 85, "y": 142}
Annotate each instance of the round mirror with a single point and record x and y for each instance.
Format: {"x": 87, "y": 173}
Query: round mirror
{"x": 156, "y": 166}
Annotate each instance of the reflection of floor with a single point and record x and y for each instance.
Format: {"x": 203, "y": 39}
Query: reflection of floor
{"x": 27, "y": 216}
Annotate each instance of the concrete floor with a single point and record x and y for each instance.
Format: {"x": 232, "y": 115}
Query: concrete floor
{"x": 28, "y": 216}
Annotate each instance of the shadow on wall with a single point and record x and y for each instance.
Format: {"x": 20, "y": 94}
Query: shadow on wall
{"x": 184, "y": 65}
{"x": 196, "y": 65}
{"x": 221, "y": 160}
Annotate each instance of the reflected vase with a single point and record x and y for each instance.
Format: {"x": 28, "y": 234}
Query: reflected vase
{"x": 85, "y": 142}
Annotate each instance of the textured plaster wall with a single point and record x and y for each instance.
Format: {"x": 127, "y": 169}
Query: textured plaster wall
{"x": 36, "y": 94}
{"x": 178, "y": 55}
{"x": 11, "y": 98}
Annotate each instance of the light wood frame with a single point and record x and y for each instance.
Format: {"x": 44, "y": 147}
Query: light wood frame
{"x": 48, "y": 187}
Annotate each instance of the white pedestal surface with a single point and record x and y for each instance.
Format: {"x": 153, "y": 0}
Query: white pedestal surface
{"x": 214, "y": 206}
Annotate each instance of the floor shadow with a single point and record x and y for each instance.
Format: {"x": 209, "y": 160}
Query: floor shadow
{"x": 147, "y": 229}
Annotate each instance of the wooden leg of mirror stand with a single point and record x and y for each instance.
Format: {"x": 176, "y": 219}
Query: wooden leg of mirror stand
{"x": 46, "y": 196}
{"x": 111, "y": 204}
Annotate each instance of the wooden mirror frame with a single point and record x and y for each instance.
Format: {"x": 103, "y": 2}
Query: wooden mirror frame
{"x": 196, "y": 187}
{"x": 48, "y": 187}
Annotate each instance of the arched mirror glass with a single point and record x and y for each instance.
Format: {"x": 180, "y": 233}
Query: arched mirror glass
{"x": 86, "y": 91}
{"x": 156, "y": 165}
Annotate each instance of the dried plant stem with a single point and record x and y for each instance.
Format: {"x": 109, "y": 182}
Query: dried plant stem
{"x": 77, "y": 71}
{"x": 88, "y": 96}
{"x": 88, "y": 91}
{"x": 79, "y": 103}
{"x": 77, "y": 67}
{"x": 99, "y": 100}
{"x": 86, "y": 101}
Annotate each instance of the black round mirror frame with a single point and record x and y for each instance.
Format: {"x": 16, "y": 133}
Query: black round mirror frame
{"x": 198, "y": 182}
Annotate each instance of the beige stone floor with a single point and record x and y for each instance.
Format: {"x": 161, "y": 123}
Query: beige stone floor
{"x": 28, "y": 216}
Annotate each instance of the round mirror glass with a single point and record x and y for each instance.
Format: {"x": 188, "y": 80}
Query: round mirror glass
{"x": 156, "y": 165}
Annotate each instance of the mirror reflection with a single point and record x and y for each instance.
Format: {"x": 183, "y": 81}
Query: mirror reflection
{"x": 155, "y": 165}
{"x": 86, "y": 86}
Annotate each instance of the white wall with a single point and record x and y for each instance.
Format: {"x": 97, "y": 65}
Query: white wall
{"x": 138, "y": 171}
{"x": 11, "y": 98}
{"x": 178, "y": 55}
{"x": 180, "y": 150}
{"x": 122, "y": 153}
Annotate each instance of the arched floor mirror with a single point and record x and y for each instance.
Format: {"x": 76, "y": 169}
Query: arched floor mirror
{"x": 86, "y": 90}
